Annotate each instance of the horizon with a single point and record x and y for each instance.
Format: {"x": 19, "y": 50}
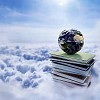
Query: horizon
{"x": 35, "y": 21}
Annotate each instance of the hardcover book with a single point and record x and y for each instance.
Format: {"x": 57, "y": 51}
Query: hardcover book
{"x": 60, "y": 70}
{"x": 76, "y": 66}
{"x": 71, "y": 76}
{"x": 71, "y": 83}
{"x": 81, "y": 57}
{"x": 73, "y": 70}
{"x": 92, "y": 61}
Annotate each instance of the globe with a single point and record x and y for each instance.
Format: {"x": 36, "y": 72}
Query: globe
{"x": 71, "y": 41}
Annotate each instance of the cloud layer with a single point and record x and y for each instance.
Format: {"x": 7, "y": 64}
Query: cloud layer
{"x": 36, "y": 21}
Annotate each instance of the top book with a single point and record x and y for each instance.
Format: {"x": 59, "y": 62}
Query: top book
{"x": 77, "y": 57}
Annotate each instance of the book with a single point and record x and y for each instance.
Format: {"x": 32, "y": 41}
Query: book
{"x": 60, "y": 70}
{"x": 72, "y": 84}
{"x": 70, "y": 69}
{"x": 76, "y": 66}
{"x": 63, "y": 79}
{"x": 70, "y": 76}
{"x": 81, "y": 57}
{"x": 71, "y": 62}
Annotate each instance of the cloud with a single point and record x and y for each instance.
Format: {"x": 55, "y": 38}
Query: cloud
{"x": 4, "y": 39}
{"x": 47, "y": 13}
{"x": 13, "y": 56}
{"x": 45, "y": 19}
{"x": 96, "y": 30}
{"x": 97, "y": 27}
{"x": 28, "y": 34}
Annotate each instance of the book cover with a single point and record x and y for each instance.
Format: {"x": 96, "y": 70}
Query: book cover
{"x": 79, "y": 56}
{"x": 92, "y": 61}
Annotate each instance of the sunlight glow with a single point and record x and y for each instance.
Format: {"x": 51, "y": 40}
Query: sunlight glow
{"x": 63, "y": 2}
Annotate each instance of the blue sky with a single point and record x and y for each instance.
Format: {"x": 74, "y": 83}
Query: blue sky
{"x": 43, "y": 20}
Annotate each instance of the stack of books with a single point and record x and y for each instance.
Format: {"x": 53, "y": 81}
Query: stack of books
{"x": 72, "y": 69}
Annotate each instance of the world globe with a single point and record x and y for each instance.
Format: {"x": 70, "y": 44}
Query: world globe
{"x": 71, "y": 41}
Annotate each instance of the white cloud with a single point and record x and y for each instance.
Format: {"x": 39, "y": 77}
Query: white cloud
{"x": 42, "y": 25}
{"x": 28, "y": 33}
{"x": 8, "y": 12}
{"x": 17, "y": 33}
{"x": 94, "y": 32}
{"x": 47, "y": 89}
{"x": 96, "y": 28}
{"x": 4, "y": 39}
{"x": 63, "y": 2}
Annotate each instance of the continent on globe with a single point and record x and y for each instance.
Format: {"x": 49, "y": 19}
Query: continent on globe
{"x": 71, "y": 41}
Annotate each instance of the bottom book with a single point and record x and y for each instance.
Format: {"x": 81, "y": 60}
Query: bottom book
{"x": 72, "y": 85}
{"x": 69, "y": 81}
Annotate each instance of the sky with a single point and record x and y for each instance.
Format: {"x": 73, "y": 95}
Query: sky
{"x": 37, "y": 21}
